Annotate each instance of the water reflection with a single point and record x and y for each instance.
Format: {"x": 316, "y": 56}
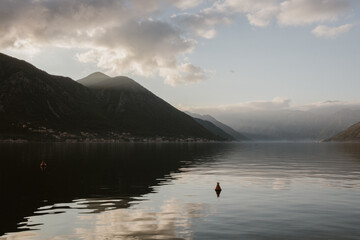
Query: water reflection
{"x": 350, "y": 149}
{"x": 277, "y": 164}
{"x": 171, "y": 220}
{"x": 101, "y": 174}
{"x": 149, "y": 191}
{"x": 43, "y": 166}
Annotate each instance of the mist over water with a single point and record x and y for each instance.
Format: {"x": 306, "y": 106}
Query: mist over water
{"x": 166, "y": 191}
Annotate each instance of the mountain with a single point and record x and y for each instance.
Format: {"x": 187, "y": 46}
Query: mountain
{"x": 29, "y": 96}
{"x": 214, "y": 129}
{"x": 35, "y": 105}
{"x": 136, "y": 109}
{"x": 93, "y": 78}
{"x": 227, "y": 131}
{"x": 351, "y": 134}
{"x": 291, "y": 124}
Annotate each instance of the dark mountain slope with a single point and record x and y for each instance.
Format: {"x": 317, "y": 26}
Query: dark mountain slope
{"x": 35, "y": 105}
{"x": 351, "y": 134}
{"x": 28, "y": 94}
{"x": 138, "y": 110}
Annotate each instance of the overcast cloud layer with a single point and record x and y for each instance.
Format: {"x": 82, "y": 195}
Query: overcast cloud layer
{"x": 275, "y": 104}
{"x": 153, "y": 37}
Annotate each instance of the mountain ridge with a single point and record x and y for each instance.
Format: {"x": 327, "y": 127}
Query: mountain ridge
{"x": 126, "y": 101}
{"x": 37, "y": 106}
{"x": 227, "y": 130}
{"x": 351, "y": 134}
{"x": 93, "y": 78}
{"x": 28, "y": 93}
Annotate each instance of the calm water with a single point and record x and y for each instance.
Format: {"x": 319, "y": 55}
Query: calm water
{"x": 166, "y": 191}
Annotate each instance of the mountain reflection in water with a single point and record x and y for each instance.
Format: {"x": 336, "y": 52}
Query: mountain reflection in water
{"x": 166, "y": 191}
{"x": 88, "y": 171}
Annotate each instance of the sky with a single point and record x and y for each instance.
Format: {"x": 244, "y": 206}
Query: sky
{"x": 197, "y": 54}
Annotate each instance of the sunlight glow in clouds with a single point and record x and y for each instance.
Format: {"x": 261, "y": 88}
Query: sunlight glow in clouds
{"x": 150, "y": 38}
{"x": 330, "y": 32}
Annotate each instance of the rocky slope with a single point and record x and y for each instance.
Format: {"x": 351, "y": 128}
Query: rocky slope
{"x": 351, "y": 134}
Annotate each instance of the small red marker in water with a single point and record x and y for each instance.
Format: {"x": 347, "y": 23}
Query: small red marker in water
{"x": 43, "y": 166}
{"x": 218, "y": 189}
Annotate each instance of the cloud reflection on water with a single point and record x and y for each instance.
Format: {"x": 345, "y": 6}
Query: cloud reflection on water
{"x": 172, "y": 221}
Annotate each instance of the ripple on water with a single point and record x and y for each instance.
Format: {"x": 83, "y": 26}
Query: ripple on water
{"x": 270, "y": 191}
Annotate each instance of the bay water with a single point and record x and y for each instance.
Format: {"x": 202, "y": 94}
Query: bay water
{"x": 166, "y": 191}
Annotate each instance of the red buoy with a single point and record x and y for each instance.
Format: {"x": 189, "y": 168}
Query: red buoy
{"x": 217, "y": 188}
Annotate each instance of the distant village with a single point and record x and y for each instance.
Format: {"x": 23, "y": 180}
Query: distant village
{"x": 46, "y": 134}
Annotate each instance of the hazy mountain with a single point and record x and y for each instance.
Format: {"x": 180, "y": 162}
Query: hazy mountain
{"x": 214, "y": 129}
{"x": 223, "y": 127}
{"x": 291, "y": 124}
{"x": 350, "y": 134}
{"x": 34, "y": 103}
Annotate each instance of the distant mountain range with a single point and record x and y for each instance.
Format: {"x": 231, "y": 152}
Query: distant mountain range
{"x": 218, "y": 128}
{"x": 351, "y": 134}
{"x": 315, "y": 124}
{"x": 37, "y": 106}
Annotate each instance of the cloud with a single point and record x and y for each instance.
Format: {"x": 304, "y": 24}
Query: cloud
{"x": 261, "y": 13}
{"x": 187, "y": 4}
{"x": 278, "y": 103}
{"x": 119, "y": 36}
{"x": 330, "y": 32}
{"x": 145, "y": 48}
{"x": 148, "y": 38}
{"x": 302, "y": 12}
{"x": 328, "y": 104}
{"x": 258, "y": 12}
{"x": 184, "y": 74}
{"x": 202, "y": 24}
{"x": 274, "y": 105}
{"x": 262, "y": 17}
